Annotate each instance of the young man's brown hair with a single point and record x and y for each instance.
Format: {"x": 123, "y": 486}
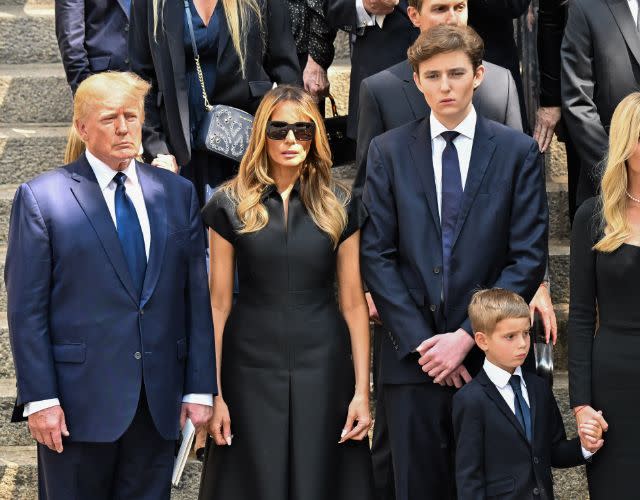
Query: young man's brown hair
{"x": 444, "y": 38}
{"x": 488, "y": 307}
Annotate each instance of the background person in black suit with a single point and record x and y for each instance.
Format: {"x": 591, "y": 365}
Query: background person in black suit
{"x": 432, "y": 201}
{"x": 92, "y": 36}
{"x": 600, "y": 66}
{"x": 508, "y": 429}
{"x": 382, "y": 33}
{"x": 493, "y": 20}
{"x": 238, "y": 70}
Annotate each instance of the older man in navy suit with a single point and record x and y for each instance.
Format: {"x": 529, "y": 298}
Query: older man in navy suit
{"x": 455, "y": 201}
{"x": 92, "y": 37}
{"x": 108, "y": 308}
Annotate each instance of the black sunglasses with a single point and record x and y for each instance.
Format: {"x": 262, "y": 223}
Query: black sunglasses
{"x": 302, "y": 131}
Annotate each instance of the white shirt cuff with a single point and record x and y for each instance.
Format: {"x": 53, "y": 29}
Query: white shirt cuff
{"x": 364, "y": 19}
{"x": 586, "y": 453}
{"x": 200, "y": 399}
{"x": 36, "y": 406}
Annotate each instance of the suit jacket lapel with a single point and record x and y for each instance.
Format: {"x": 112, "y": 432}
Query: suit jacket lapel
{"x": 154, "y": 200}
{"x": 223, "y": 34}
{"x": 416, "y": 100}
{"x": 173, "y": 19}
{"x": 87, "y": 192}
{"x": 124, "y": 8}
{"x": 502, "y": 405}
{"x": 481, "y": 154}
{"x": 624, "y": 20}
{"x": 421, "y": 154}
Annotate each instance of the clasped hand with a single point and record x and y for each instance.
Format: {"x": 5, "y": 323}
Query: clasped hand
{"x": 441, "y": 357}
{"x": 590, "y": 424}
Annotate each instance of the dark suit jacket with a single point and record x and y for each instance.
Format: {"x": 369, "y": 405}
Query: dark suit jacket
{"x": 600, "y": 59}
{"x": 493, "y": 20}
{"x": 75, "y": 320}
{"x": 552, "y": 16}
{"x": 374, "y": 49}
{"x": 390, "y": 99}
{"x": 92, "y": 36}
{"x": 163, "y": 64}
{"x": 500, "y": 238}
{"x": 493, "y": 457}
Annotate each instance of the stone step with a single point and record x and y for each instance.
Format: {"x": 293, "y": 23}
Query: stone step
{"x": 28, "y": 35}
{"x": 11, "y": 434}
{"x": 558, "y": 200}
{"x": 27, "y": 150}
{"x": 34, "y": 93}
{"x": 559, "y": 270}
{"x": 19, "y": 475}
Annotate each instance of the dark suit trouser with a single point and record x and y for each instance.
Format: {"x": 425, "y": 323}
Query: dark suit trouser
{"x": 137, "y": 466}
{"x": 421, "y": 437}
{"x": 380, "y": 446}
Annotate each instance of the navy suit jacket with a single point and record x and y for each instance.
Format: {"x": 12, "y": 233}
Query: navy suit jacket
{"x": 92, "y": 36}
{"x": 75, "y": 322}
{"x": 500, "y": 237}
{"x": 493, "y": 457}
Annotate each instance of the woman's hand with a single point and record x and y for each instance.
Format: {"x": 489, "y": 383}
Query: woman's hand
{"x": 541, "y": 302}
{"x": 168, "y": 162}
{"x": 220, "y": 423}
{"x": 358, "y": 412}
{"x": 585, "y": 418}
{"x": 590, "y": 434}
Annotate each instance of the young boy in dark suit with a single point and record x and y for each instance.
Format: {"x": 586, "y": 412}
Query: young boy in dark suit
{"x": 507, "y": 426}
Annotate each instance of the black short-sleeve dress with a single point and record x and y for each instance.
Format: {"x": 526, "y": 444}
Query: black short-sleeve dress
{"x": 287, "y": 373}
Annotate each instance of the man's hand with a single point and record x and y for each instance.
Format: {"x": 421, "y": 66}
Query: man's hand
{"x": 198, "y": 414}
{"x": 441, "y": 354}
{"x": 590, "y": 434}
{"x": 48, "y": 426}
{"x": 315, "y": 79}
{"x": 541, "y": 302}
{"x": 379, "y": 7}
{"x": 373, "y": 310}
{"x": 458, "y": 377}
{"x": 546, "y": 121}
{"x": 168, "y": 162}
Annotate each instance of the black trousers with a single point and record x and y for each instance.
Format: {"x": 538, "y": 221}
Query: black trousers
{"x": 421, "y": 437}
{"x": 137, "y": 466}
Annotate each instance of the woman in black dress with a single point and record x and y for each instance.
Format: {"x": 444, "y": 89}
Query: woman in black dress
{"x": 604, "y": 318}
{"x": 244, "y": 47}
{"x": 292, "y": 417}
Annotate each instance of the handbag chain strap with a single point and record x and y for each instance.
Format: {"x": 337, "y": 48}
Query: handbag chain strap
{"x": 196, "y": 56}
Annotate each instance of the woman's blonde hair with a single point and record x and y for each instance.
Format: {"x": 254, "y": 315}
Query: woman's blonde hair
{"x": 239, "y": 15}
{"x": 323, "y": 197}
{"x": 623, "y": 141}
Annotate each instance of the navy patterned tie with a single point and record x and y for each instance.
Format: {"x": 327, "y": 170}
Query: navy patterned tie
{"x": 130, "y": 233}
{"x": 450, "y": 204}
{"x": 523, "y": 414}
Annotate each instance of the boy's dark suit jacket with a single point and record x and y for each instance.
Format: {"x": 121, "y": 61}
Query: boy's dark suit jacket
{"x": 493, "y": 457}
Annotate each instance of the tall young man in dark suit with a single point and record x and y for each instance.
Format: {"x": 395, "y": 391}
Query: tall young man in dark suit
{"x": 508, "y": 429}
{"x": 436, "y": 189}
{"x": 92, "y": 37}
{"x": 108, "y": 307}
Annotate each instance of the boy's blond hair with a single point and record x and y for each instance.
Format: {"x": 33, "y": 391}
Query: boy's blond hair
{"x": 488, "y": 307}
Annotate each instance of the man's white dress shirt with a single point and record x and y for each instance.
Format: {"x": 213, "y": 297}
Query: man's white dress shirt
{"x": 105, "y": 174}
{"x": 500, "y": 379}
{"x": 366, "y": 19}
{"x": 633, "y": 7}
{"x": 463, "y": 144}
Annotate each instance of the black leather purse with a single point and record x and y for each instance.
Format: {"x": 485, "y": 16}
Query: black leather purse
{"x": 224, "y": 130}
{"x": 542, "y": 351}
{"x": 343, "y": 149}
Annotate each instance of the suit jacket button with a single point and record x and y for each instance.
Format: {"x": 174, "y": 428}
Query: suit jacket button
{"x": 395, "y": 346}
{"x": 141, "y": 312}
{"x": 535, "y": 460}
{"x": 137, "y": 355}
{"x": 436, "y": 270}
{"x": 432, "y": 308}
{"x": 536, "y": 491}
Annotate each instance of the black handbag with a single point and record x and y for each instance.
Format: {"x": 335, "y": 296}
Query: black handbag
{"x": 224, "y": 130}
{"x": 343, "y": 149}
{"x": 543, "y": 352}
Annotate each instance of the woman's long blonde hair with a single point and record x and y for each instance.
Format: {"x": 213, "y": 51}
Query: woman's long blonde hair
{"x": 239, "y": 14}
{"x": 623, "y": 141}
{"x": 323, "y": 197}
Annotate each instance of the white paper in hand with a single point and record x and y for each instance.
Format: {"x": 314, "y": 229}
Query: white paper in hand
{"x": 188, "y": 434}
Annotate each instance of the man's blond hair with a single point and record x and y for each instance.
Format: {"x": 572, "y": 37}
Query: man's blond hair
{"x": 105, "y": 85}
{"x": 488, "y": 307}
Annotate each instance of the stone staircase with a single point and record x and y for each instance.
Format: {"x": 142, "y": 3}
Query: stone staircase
{"x": 35, "y": 111}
